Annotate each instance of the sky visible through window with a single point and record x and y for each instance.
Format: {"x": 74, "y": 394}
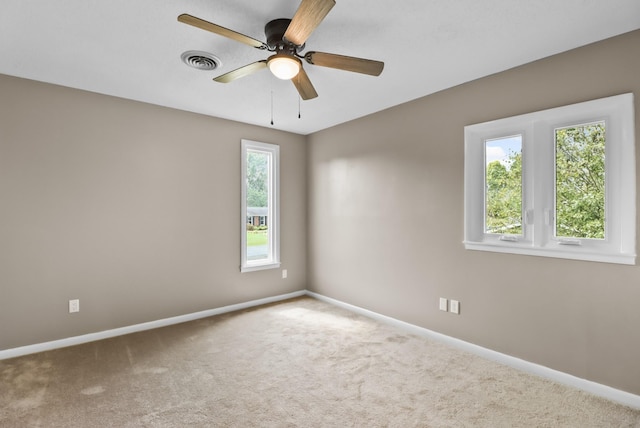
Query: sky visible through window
{"x": 500, "y": 148}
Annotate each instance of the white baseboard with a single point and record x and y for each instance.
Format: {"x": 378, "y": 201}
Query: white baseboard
{"x": 616, "y": 395}
{"x": 91, "y": 337}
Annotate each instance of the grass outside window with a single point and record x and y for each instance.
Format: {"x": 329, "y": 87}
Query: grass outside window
{"x": 257, "y": 237}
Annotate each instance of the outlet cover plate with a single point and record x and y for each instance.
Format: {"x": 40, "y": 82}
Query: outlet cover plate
{"x": 455, "y": 307}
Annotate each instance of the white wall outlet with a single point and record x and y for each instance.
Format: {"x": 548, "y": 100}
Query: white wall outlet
{"x": 74, "y": 306}
{"x": 284, "y": 273}
{"x": 443, "y": 304}
{"x": 455, "y": 307}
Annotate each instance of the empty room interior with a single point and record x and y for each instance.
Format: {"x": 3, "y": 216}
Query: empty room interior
{"x": 125, "y": 210}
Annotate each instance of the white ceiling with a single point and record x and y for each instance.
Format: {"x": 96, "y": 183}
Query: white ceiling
{"x": 131, "y": 49}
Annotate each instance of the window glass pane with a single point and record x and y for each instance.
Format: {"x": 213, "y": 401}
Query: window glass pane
{"x": 580, "y": 181}
{"x": 258, "y": 236}
{"x": 503, "y": 185}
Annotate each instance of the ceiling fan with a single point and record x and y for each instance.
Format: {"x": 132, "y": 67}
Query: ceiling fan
{"x": 286, "y": 39}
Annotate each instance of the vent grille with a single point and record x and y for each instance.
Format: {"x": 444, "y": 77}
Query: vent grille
{"x": 201, "y": 60}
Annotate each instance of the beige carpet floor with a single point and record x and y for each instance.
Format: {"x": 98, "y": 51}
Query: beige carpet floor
{"x": 299, "y": 363}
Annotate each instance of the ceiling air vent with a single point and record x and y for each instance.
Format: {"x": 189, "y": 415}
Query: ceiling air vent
{"x": 201, "y": 60}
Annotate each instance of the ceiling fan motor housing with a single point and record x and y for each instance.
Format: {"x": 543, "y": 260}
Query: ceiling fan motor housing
{"x": 274, "y": 31}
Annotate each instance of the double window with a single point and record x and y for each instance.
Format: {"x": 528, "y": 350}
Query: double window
{"x": 260, "y": 206}
{"x": 556, "y": 183}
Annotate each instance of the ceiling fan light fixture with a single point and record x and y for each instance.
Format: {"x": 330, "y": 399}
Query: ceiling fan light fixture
{"x": 285, "y": 39}
{"x": 284, "y": 66}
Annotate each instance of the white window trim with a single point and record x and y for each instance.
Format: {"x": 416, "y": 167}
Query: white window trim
{"x": 538, "y": 166}
{"x": 273, "y": 215}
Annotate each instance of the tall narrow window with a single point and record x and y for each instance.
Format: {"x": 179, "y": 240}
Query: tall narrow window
{"x": 580, "y": 181}
{"x": 503, "y": 185}
{"x": 260, "y": 206}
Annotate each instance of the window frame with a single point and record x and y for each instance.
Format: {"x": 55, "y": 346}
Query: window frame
{"x": 538, "y": 182}
{"x": 273, "y": 214}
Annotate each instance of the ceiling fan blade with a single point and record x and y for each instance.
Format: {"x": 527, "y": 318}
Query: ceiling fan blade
{"x": 208, "y": 26}
{"x": 304, "y": 86}
{"x": 348, "y": 63}
{"x": 309, "y": 15}
{"x": 241, "y": 72}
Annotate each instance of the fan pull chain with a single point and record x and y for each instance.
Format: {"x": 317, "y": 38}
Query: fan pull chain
{"x": 299, "y": 116}
{"x": 272, "y": 107}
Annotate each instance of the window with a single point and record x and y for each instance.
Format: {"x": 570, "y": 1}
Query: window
{"x": 580, "y": 181}
{"x": 260, "y": 206}
{"x": 503, "y": 184}
{"x": 555, "y": 183}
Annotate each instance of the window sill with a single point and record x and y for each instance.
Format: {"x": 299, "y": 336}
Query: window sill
{"x": 569, "y": 253}
{"x": 256, "y": 267}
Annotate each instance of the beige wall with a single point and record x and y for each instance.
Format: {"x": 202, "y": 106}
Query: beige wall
{"x": 134, "y": 209}
{"x": 386, "y": 224}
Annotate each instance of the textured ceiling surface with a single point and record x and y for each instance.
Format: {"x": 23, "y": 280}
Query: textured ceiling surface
{"x": 131, "y": 49}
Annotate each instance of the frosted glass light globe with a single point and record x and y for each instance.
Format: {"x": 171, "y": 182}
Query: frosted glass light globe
{"x": 284, "y": 66}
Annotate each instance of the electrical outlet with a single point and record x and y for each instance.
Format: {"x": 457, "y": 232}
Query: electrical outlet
{"x": 455, "y": 307}
{"x": 284, "y": 273}
{"x": 74, "y": 306}
{"x": 443, "y": 304}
